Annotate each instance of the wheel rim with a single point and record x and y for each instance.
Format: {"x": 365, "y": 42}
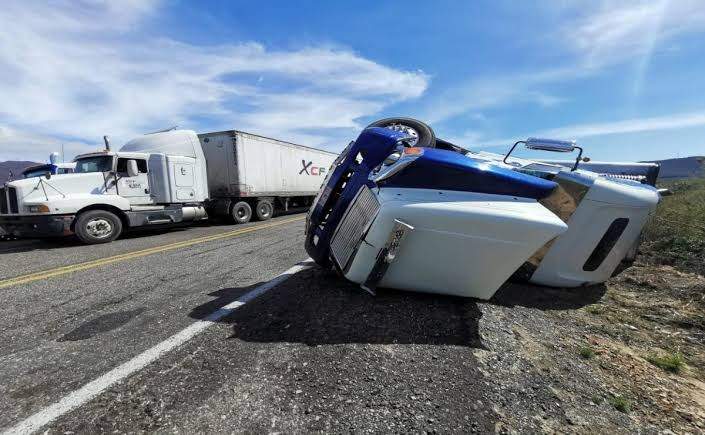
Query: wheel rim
{"x": 264, "y": 210}
{"x": 241, "y": 213}
{"x": 99, "y": 228}
{"x": 406, "y": 130}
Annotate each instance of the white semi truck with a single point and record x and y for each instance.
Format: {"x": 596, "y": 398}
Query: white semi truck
{"x": 164, "y": 178}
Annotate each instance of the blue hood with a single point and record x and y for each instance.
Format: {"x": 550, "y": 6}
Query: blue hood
{"x": 448, "y": 170}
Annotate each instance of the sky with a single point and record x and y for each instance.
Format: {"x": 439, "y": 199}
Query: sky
{"x": 625, "y": 79}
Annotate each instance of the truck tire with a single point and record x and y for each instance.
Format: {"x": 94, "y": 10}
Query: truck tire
{"x": 423, "y": 134}
{"x": 241, "y": 212}
{"x": 97, "y": 226}
{"x": 264, "y": 209}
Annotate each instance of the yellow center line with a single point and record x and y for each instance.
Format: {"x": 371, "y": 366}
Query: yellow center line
{"x": 37, "y": 276}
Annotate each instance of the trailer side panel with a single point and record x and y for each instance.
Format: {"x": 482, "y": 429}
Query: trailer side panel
{"x": 269, "y": 167}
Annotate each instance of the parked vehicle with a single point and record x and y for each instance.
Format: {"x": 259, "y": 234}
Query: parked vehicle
{"x": 164, "y": 178}
{"x": 403, "y": 209}
{"x": 54, "y": 167}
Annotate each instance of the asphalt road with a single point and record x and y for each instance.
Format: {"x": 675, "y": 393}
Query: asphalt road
{"x": 196, "y": 330}
{"x": 313, "y": 353}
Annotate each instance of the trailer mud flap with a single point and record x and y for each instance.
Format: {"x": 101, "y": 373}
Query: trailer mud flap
{"x": 387, "y": 255}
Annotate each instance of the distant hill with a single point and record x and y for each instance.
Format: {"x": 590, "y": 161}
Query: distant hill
{"x": 686, "y": 167}
{"x": 14, "y": 167}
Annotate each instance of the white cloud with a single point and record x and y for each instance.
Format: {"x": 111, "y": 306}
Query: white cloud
{"x": 601, "y": 129}
{"x": 637, "y": 125}
{"x": 78, "y": 70}
{"x": 491, "y": 92}
{"x": 596, "y": 35}
{"x": 21, "y": 145}
{"x": 618, "y": 30}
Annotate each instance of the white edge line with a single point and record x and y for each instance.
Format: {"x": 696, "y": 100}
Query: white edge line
{"x": 92, "y": 389}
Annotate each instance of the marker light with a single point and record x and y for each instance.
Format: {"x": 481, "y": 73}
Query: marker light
{"x": 413, "y": 151}
{"x": 40, "y": 208}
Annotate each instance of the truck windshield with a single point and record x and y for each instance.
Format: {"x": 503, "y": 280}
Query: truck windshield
{"x": 37, "y": 171}
{"x": 94, "y": 164}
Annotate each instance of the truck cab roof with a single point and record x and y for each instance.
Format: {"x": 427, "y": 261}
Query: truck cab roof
{"x": 174, "y": 142}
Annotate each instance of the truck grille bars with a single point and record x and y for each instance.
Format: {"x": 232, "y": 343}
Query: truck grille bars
{"x": 353, "y": 226}
{"x": 8, "y": 200}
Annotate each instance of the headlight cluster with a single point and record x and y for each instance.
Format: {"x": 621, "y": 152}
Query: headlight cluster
{"x": 395, "y": 162}
{"x": 39, "y": 208}
{"x": 392, "y": 158}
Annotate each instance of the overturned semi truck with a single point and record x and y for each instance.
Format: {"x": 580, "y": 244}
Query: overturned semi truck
{"x": 403, "y": 209}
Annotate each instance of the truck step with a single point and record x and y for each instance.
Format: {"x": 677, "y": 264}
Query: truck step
{"x": 159, "y": 221}
{"x": 146, "y": 207}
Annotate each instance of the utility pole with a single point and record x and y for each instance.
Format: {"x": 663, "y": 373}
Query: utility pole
{"x": 62, "y": 154}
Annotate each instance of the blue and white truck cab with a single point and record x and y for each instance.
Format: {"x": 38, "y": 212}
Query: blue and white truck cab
{"x": 402, "y": 209}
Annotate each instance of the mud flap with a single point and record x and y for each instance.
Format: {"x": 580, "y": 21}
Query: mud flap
{"x": 386, "y": 255}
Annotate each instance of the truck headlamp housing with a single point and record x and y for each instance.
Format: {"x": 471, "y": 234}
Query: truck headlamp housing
{"x": 39, "y": 208}
{"x": 392, "y": 158}
{"x": 395, "y": 162}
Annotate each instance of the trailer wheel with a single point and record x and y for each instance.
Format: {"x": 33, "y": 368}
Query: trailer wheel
{"x": 241, "y": 212}
{"x": 97, "y": 226}
{"x": 264, "y": 210}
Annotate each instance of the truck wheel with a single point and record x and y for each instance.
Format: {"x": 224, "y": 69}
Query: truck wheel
{"x": 422, "y": 134}
{"x": 264, "y": 210}
{"x": 241, "y": 212}
{"x": 97, "y": 226}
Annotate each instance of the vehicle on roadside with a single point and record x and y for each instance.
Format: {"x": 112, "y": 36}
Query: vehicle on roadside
{"x": 164, "y": 178}
{"x": 403, "y": 209}
{"x": 54, "y": 167}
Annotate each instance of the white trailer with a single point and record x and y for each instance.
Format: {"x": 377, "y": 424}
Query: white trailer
{"x": 164, "y": 178}
{"x": 250, "y": 174}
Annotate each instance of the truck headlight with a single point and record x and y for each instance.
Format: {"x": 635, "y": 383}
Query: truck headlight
{"x": 395, "y": 162}
{"x": 39, "y": 208}
{"x": 392, "y": 158}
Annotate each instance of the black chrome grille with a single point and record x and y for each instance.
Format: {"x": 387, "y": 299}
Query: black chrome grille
{"x": 348, "y": 235}
{"x": 12, "y": 198}
{"x": 3, "y": 200}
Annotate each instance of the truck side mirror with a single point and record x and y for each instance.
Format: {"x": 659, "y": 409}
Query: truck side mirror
{"x": 553, "y": 145}
{"x": 558, "y": 146}
{"x": 132, "y": 170}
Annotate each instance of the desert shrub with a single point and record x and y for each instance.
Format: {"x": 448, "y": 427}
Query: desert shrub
{"x": 621, "y": 403}
{"x": 670, "y": 362}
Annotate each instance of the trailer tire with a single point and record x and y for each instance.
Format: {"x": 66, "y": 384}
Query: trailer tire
{"x": 241, "y": 212}
{"x": 97, "y": 226}
{"x": 264, "y": 209}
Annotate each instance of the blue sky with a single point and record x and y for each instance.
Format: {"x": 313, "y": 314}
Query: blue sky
{"x": 626, "y": 79}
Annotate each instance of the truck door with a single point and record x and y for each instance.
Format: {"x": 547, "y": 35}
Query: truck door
{"x": 135, "y": 189}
